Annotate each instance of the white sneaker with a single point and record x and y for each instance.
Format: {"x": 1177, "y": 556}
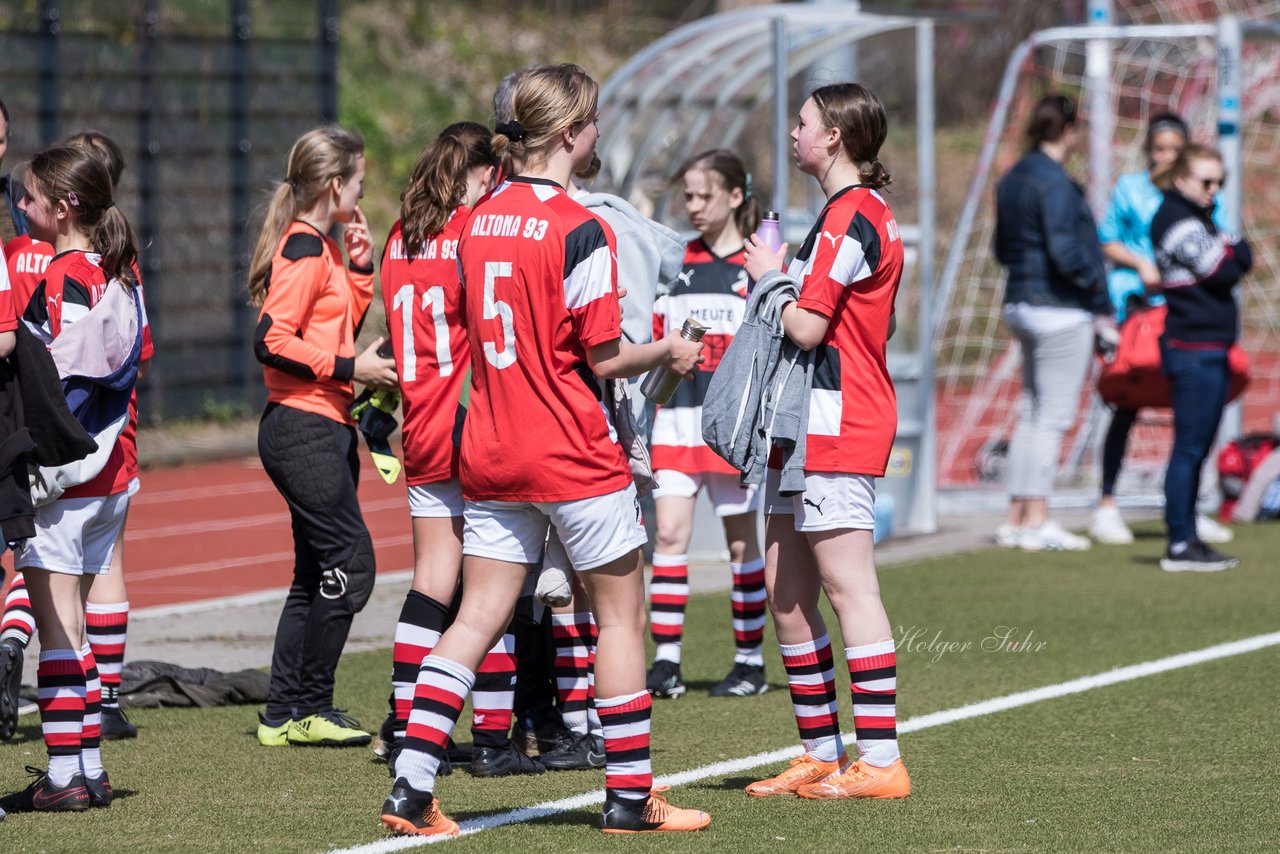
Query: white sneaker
{"x": 1052, "y": 537}
{"x": 1007, "y": 536}
{"x": 1107, "y": 526}
{"x": 1210, "y": 530}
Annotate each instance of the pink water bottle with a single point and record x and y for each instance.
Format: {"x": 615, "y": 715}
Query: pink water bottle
{"x": 770, "y": 233}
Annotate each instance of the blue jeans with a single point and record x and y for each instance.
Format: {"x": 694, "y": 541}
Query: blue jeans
{"x": 1200, "y": 380}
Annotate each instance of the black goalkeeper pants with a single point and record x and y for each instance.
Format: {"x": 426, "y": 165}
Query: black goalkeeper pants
{"x": 313, "y": 461}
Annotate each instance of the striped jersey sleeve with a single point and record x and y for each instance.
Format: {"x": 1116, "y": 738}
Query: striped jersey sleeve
{"x": 590, "y": 278}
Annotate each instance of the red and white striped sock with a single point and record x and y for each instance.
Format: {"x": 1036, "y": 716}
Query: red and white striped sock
{"x": 668, "y": 598}
{"x": 60, "y": 683}
{"x": 19, "y": 621}
{"x": 494, "y": 695}
{"x": 593, "y": 714}
{"x": 91, "y": 732}
{"x": 628, "y": 772}
{"x": 873, "y": 677}
{"x": 438, "y": 698}
{"x": 572, "y": 664}
{"x": 422, "y": 620}
{"x": 812, "y": 679}
{"x": 749, "y": 601}
{"x": 108, "y": 628}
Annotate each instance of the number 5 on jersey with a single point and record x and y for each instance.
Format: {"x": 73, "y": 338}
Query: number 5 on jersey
{"x": 432, "y": 301}
{"x": 496, "y": 308}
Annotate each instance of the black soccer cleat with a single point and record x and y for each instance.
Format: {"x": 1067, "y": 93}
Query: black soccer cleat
{"x": 744, "y": 680}
{"x": 664, "y": 679}
{"x": 43, "y": 796}
{"x": 503, "y": 761}
{"x": 100, "y": 792}
{"x": 10, "y": 681}
{"x": 115, "y": 725}
{"x": 579, "y": 751}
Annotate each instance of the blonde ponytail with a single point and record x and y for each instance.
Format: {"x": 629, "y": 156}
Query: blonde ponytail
{"x": 319, "y": 156}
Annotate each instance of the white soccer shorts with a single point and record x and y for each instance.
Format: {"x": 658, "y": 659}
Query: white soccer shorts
{"x": 831, "y": 501}
{"x": 595, "y": 531}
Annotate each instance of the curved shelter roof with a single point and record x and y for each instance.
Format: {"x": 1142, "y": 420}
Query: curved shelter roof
{"x": 700, "y": 85}
{"x": 711, "y": 75}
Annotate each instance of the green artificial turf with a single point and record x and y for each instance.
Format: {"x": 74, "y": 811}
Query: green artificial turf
{"x": 1182, "y": 761}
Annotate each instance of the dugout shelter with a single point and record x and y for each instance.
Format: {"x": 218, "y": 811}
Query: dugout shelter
{"x": 736, "y": 80}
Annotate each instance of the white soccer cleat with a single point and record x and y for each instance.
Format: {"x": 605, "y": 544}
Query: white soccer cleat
{"x": 1007, "y": 536}
{"x": 1107, "y": 526}
{"x": 1052, "y": 537}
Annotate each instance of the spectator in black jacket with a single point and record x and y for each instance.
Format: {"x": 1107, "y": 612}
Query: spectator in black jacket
{"x": 1199, "y": 268}
{"x": 1047, "y": 239}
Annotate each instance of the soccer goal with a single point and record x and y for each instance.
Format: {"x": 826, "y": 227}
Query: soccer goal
{"x": 1223, "y": 77}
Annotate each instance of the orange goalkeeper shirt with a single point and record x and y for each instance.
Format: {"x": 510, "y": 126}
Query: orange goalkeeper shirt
{"x": 306, "y": 332}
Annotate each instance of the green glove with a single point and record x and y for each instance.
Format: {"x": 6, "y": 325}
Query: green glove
{"x": 374, "y": 412}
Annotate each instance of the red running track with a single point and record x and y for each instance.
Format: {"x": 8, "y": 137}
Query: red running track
{"x": 210, "y": 530}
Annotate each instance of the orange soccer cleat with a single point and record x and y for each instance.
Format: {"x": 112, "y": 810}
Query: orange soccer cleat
{"x": 409, "y": 812}
{"x": 862, "y": 781}
{"x": 657, "y": 816}
{"x": 803, "y": 771}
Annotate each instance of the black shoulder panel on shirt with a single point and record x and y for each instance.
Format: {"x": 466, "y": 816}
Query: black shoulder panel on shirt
{"x": 302, "y": 246}
{"x": 580, "y": 243}
{"x": 75, "y": 292}
{"x": 861, "y": 230}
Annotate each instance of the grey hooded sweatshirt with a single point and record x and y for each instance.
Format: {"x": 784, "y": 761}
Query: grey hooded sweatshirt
{"x": 649, "y": 255}
{"x": 759, "y": 394}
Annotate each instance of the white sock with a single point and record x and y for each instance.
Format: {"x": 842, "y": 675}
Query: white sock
{"x": 91, "y": 762}
{"x": 668, "y": 652}
{"x": 62, "y": 769}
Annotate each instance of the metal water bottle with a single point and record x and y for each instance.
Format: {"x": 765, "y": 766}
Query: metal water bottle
{"x": 770, "y": 234}
{"x": 661, "y": 383}
{"x": 770, "y": 231}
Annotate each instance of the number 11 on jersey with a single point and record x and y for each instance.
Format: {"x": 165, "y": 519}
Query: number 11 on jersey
{"x": 432, "y": 301}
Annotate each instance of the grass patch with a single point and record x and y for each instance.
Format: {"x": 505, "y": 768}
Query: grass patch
{"x": 1184, "y": 761}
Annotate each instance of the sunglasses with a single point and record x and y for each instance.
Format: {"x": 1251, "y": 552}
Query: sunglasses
{"x": 1211, "y": 183}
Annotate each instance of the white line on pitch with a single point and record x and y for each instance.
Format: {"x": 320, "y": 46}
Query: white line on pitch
{"x": 935, "y": 719}
{"x": 257, "y": 597}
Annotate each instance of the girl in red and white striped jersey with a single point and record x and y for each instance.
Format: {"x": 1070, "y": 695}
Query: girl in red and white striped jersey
{"x": 107, "y": 609}
{"x": 847, "y": 270}
{"x": 423, "y": 296}
{"x": 69, "y": 203}
{"x": 712, "y": 289}
{"x": 538, "y": 449}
